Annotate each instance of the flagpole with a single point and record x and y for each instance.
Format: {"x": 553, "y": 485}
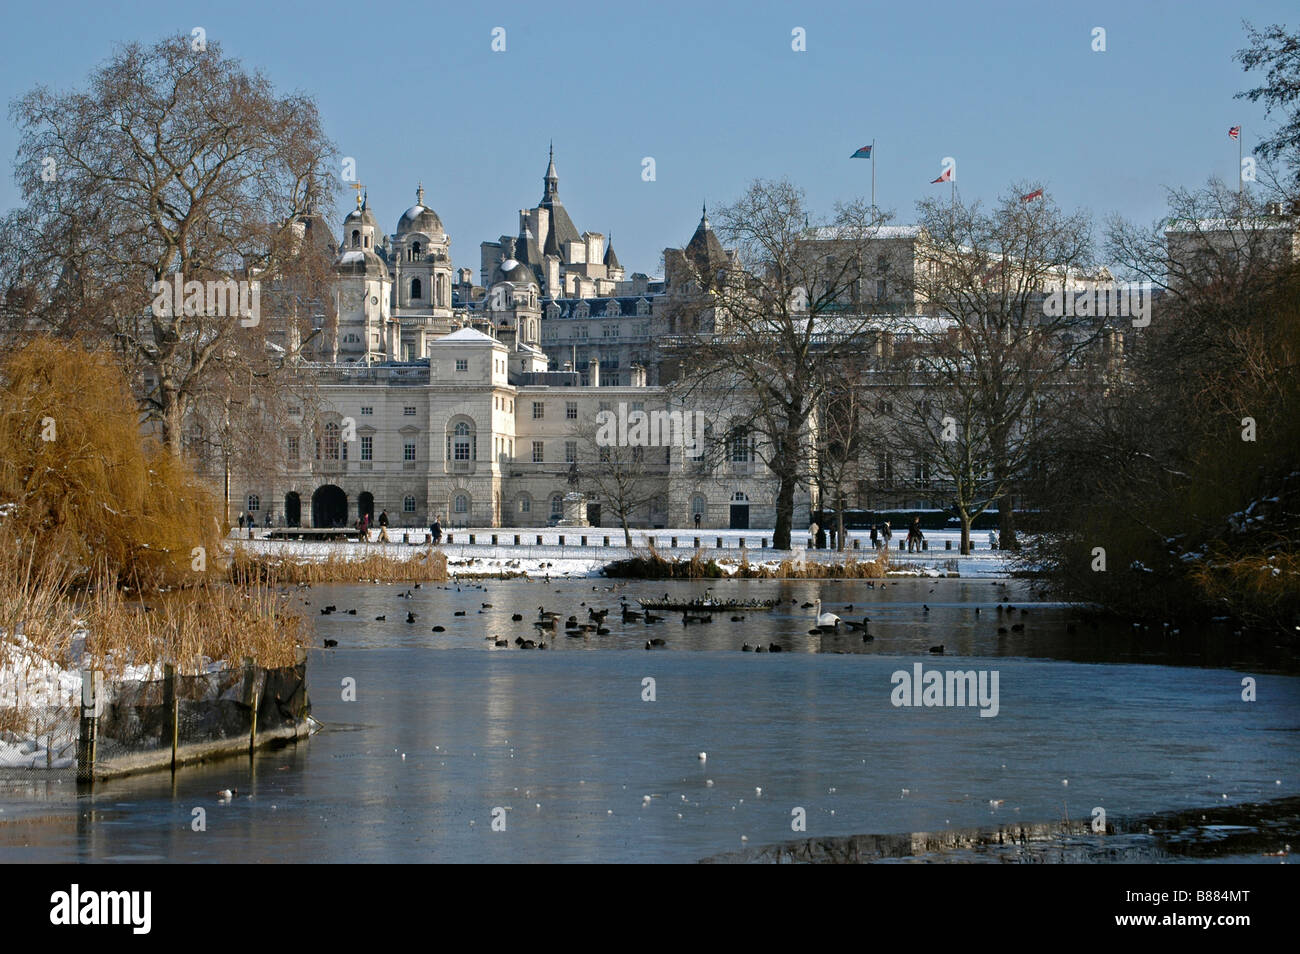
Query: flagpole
{"x": 1241, "y": 130}
{"x": 873, "y": 175}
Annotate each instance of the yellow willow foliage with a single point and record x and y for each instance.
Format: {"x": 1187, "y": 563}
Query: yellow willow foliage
{"x": 82, "y": 485}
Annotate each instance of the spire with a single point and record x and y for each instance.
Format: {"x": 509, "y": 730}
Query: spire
{"x": 704, "y": 216}
{"x": 551, "y": 180}
{"x": 611, "y": 260}
{"x": 419, "y": 194}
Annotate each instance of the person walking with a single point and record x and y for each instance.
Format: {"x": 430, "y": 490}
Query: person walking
{"x": 875, "y": 537}
{"x": 241, "y": 520}
{"x": 697, "y": 520}
{"x": 914, "y": 536}
{"x": 383, "y": 527}
{"x": 435, "y": 532}
{"x": 887, "y": 535}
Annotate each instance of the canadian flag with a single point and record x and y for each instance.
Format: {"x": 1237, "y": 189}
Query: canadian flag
{"x": 945, "y": 176}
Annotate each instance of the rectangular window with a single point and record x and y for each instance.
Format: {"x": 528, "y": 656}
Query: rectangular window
{"x": 462, "y": 364}
{"x": 408, "y": 412}
{"x": 367, "y": 447}
{"x": 539, "y": 410}
{"x": 740, "y": 448}
{"x": 570, "y": 452}
{"x": 571, "y": 410}
{"x": 408, "y": 504}
{"x": 538, "y": 452}
{"x": 880, "y": 288}
{"x": 293, "y": 447}
{"x": 408, "y": 450}
{"x": 604, "y": 455}
{"x": 367, "y": 411}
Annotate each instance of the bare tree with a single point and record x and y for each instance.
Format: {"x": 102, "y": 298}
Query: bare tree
{"x": 627, "y": 476}
{"x": 786, "y": 303}
{"x": 992, "y": 352}
{"x": 175, "y": 163}
{"x": 847, "y": 431}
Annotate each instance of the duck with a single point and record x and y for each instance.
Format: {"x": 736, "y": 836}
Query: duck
{"x": 331, "y": 643}
{"x": 597, "y": 615}
{"x": 774, "y": 648}
{"x": 410, "y": 617}
{"x": 458, "y": 613}
{"x": 652, "y": 618}
{"x": 501, "y": 642}
{"x": 650, "y": 643}
{"x": 439, "y": 629}
{"x": 545, "y": 624}
{"x": 380, "y": 619}
{"x": 746, "y": 648}
{"x": 937, "y": 650}
{"x": 858, "y": 627}
{"x": 516, "y": 617}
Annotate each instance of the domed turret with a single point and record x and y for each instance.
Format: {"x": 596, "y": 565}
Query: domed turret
{"x": 420, "y": 218}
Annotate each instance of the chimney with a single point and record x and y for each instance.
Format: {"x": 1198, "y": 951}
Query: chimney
{"x": 593, "y": 372}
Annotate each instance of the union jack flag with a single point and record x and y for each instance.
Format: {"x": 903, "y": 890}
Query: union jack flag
{"x": 1234, "y": 132}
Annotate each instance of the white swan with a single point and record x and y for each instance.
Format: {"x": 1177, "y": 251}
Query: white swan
{"x": 825, "y": 620}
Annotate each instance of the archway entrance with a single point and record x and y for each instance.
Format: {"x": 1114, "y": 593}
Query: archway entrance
{"x": 329, "y": 507}
{"x": 366, "y": 504}
{"x": 292, "y": 509}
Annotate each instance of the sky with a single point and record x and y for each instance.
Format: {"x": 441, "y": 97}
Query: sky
{"x": 715, "y": 94}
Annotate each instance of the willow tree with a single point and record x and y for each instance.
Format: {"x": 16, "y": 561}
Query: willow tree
{"x": 767, "y": 316}
{"x": 173, "y": 161}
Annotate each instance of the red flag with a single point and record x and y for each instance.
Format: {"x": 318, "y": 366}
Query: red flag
{"x": 1036, "y": 194}
{"x": 945, "y": 176}
{"x": 1234, "y": 132}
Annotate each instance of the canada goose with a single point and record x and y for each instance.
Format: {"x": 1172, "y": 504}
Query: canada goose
{"x": 597, "y": 615}
{"x": 331, "y": 643}
{"x": 655, "y": 642}
{"x": 629, "y": 616}
{"x": 602, "y": 631}
{"x": 545, "y": 624}
{"x": 410, "y": 617}
{"x": 652, "y": 618}
{"x": 517, "y": 617}
{"x": 501, "y": 642}
{"x": 937, "y": 650}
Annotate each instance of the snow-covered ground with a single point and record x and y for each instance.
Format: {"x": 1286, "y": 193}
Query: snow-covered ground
{"x": 572, "y": 558}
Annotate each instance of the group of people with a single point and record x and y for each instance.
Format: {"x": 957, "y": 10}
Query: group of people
{"x": 363, "y": 527}
{"x": 249, "y": 521}
{"x": 883, "y": 534}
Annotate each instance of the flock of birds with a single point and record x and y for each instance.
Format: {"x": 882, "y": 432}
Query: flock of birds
{"x": 594, "y": 622}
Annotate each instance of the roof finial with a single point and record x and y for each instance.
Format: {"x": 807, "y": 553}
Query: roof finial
{"x": 419, "y": 193}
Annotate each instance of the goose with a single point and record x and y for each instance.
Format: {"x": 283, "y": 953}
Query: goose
{"x": 602, "y": 631}
{"x": 331, "y": 643}
{"x": 652, "y": 618}
{"x": 501, "y": 642}
{"x": 410, "y": 617}
{"x": 597, "y": 615}
{"x": 826, "y": 622}
{"x": 517, "y": 617}
{"x": 737, "y": 619}
{"x": 866, "y": 621}
{"x": 629, "y": 616}
{"x": 937, "y": 650}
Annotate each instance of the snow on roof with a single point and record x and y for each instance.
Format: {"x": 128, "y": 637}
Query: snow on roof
{"x": 352, "y": 256}
{"x": 1230, "y": 225}
{"x": 413, "y": 212}
{"x": 468, "y": 336}
{"x": 832, "y": 232}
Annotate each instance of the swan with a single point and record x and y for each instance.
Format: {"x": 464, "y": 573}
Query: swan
{"x": 825, "y": 621}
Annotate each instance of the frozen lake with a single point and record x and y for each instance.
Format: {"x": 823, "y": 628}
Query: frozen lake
{"x": 566, "y": 745}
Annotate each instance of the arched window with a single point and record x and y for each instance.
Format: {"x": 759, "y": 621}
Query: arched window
{"x": 461, "y": 504}
{"x": 525, "y": 504}
{"x": 417, "y": 289}
{"x": 699, "y": 505}
{"x": 740, "y": 497}
{"x": 557, "y": 504}
{"x": 415, "y": 251}
{"x": 408, "y": 504}
{"x": 356, "y": 238}
{"x": 462, "y": 442}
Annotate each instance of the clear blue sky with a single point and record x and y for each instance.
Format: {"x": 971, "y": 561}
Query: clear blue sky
{"x": 714, "y": 92}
